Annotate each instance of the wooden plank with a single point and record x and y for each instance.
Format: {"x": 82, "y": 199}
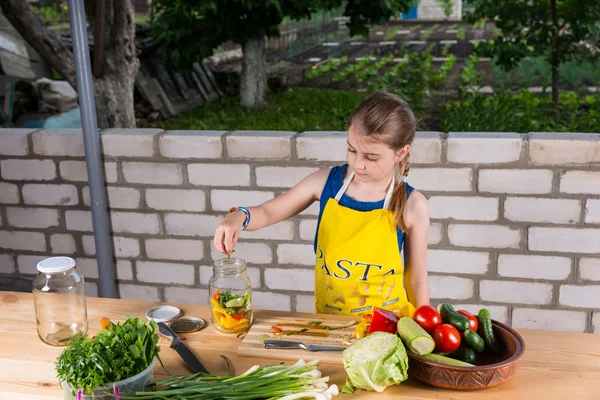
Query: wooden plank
{"x": 199, "y": 87}
{"x": 212, "y": 78}
{"x": 212, "y": 94}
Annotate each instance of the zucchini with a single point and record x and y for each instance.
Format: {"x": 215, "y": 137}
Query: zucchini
{"x": 446, "y": 360}
{"x": 450, "y": 316}
{"x": 474, "y": 341}
{"x": 462, "y": 353}
{"x": 486, "y": 331}
{"x": 414, "y": 336}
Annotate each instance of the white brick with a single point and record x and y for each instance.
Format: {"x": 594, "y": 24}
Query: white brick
{"x": 186, "y": 295}
{"x": 9, "y": 193}
{"x": 257, "y": 253}
{"x": 552, "y": 320}
{"x": 534, "y": 267}
{"x": 592, "y": 211}
{"x": 176, "y": 199}
{"x": 284, "y": 177}
{"x": 259, "y": 144}
{"x": 484, "y": 148}
{"x": 59, "y": 142}
{"x": 281, "y": 231}
{"x": 157, "y": 272}
{"x": 322, "y": 146}
{"x": 7, "y": 264}
{"x": 498, "y": 313}
{"x": 175, "y": 249}
{"x": 32, "y": 217}
{"x": 124, "y": 270}
{"x": 19, "y": 240}
{"x": 305, "y": 303}
{"x": 77, "y": 171}
{"x": 128, "y": 142}
{"x": 79, "y": 221}
{"x": 464, "y": 208}
{"x": 441, "y": 179}
{"x": 13, "y": 142}
{"x": 515, "y": 292}
{"x": 191, "y": 224}
{"x": 137, "y": 292}
{"x": 312, "y": 210}
{"x": 271, "y": 301}
{"x": 529, "y": 209}
{"x": 580, "y": 296}
{"x": 568, "y": 240}
{"x": 563, "y": 148}
{"x": 253, "y": 274}
{"x": 28, "y": 170}
{"x": 50, "y": 195}
{"x": 191, "y": 144}
{"x": 123, "y": 246}
{"x": 290, "y": 279}
{"x": 457, "y": 262}
{"x": 118, "y": 197}
{"x": 301, "y": 254}
{"x": 596, "y": 322}
{"x": 435, "y": 233}
{"x": 520, "y": 181}
{"x": 223, "y": 200}
{"x": 219, "y": 174}
{"x": 129, "y": 222}
{"x": 426, "y": 148}
{"x": 586, "y": 182}
{"x": 589, "y": 269}
{"x": 450, "y": 287}
{"x": 91, "y": 289}
{"x": 308, "y": 229}
{"x": 153, "y": 173}
{"x": 489, "y": 236}
{"x": 28, "y": 264}
{"x": 87, "y": 267}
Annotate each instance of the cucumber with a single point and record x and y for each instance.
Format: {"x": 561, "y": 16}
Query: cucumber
{"x": 450, "y": 316}
{"x": 446, "y": 360}
{"x": 414, "y": 336}
{"x": 474, "y": 341}
{"x": 462, "y": 354}
{"x": 486, "y": 331}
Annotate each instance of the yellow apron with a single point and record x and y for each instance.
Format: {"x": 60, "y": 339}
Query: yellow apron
{"x": 358, "y": 262}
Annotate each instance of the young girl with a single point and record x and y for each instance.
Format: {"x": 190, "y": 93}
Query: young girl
{"x": 368, "y": 216}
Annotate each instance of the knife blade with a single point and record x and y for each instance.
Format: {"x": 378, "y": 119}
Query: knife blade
{"x": 184, "y": 352}
{"x": 287, "y": 344}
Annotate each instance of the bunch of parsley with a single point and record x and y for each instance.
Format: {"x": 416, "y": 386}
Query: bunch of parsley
{"x": 117, "y": 352}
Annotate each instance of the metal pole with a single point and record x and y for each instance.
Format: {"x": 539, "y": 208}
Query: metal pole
{"x": 91, "y": 142}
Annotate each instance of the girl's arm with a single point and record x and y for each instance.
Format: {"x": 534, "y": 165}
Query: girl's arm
{"x": 282, "y": 207}
{"x": 417, "y": 217}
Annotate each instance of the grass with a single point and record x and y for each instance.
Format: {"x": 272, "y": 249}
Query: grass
{"x": 295, "y": 110}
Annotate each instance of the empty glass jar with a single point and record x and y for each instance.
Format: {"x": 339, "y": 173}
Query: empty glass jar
{"x": 59, "y": 299}
{"x": 230, "y": 296}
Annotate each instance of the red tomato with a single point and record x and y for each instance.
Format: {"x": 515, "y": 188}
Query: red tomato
{"x": 446, "y": 337}
{"x": 428, "y": 318}
{"x": 473, "y": 321}
{"x": 383, "y": 321}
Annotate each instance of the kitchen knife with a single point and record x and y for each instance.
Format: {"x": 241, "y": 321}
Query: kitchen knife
{"x": 184, "y": 352}
{"x": 286, "y": 344}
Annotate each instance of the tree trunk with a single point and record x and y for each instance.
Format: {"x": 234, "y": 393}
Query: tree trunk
{"x": 114, "y": 89}
{"x": 555, "y": 57}
{"x": 254, "y": 75}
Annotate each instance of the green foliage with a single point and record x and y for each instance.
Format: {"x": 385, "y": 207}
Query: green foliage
{"x": 522, "y": 112}
{"x": 447, "y": 6}
{"x": 462, "y": 33}
{"x": 118, "y": 352}
{"x": 51, "y": 13}
{"x": 328, "y": 66}
{"x": 427, "y": 33}
{"x": 391, "y": 33}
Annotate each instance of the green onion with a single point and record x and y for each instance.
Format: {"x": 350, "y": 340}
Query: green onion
{"x": 346, "y": 325}
{"x": 285, "y": 382}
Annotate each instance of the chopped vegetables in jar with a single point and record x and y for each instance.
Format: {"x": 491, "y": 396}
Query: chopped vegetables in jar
{"x": 231, "y": 312}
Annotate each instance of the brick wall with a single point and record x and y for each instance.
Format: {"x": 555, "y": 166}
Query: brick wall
{"x": 515, "y": 218}
{"x": 431, "y": 10}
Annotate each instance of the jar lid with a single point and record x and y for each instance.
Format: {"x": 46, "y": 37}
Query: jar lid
{"x": 163, "y": 313}
{"x": 55, "y": 264}
{"x": 186, "y": 324}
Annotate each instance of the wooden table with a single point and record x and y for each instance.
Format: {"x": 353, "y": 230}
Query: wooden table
{"x": 556, "y": 365}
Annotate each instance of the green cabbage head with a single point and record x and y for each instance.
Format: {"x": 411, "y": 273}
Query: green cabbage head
{"x": 375, "y": 362}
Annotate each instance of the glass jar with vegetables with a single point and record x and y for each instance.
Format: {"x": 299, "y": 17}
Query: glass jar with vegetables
{"x": 230, "y": 296}
{"x": 59, "y": 300}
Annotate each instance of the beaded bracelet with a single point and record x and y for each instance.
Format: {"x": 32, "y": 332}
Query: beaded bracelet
{"x": 245, "y": 211}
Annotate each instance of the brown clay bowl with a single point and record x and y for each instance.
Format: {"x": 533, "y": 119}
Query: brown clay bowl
{"x": 489, "y": 371}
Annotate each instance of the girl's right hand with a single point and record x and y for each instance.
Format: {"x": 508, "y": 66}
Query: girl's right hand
{"x": 228, "y": 232}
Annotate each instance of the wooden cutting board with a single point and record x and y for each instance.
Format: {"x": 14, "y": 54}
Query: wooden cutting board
{"x": 252, "y": 346}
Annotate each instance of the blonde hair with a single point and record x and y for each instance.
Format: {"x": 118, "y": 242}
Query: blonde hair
{"x": 388, "y": 118}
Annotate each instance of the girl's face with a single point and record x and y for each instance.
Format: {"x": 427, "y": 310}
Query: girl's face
{"x": 370, "y": 159}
